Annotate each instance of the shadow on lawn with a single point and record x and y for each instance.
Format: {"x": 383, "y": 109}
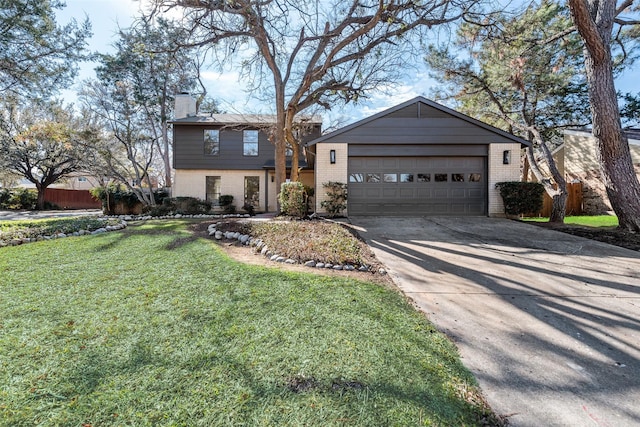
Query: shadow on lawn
{"x": 183, "y": 234}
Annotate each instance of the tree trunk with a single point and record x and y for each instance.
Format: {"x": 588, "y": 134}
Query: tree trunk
{"x": 40, "y": 200}
{"x": 618, "y": 174}
{"x": 595, "y": 23}
{"x": 558, "y": 194}
{"x": 280, "y": 143}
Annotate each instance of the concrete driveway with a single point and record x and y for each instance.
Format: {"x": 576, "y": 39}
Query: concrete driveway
{"x": 549, "y": 323}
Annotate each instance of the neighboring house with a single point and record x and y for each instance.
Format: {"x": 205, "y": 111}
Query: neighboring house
{"x": 74, "y": 181}
{"x": 418, "y": 158}
{"x": 229, "y": 154}
{"x": 577, "y": 160}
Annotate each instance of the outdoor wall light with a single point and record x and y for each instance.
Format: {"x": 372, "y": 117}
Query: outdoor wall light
{"x": 506, "y": 157}
{"x": 332, "y": 156}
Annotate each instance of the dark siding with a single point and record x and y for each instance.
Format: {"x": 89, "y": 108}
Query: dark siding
{"x": 417, "y": 150}
{"x": 390, "y": 130}
{"x": 188, "y": 149}
{"x": 418, "y": 110}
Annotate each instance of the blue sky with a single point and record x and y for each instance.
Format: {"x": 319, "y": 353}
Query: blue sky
{"x": 107, "y": 16}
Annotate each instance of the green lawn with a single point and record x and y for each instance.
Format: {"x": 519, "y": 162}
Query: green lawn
{"x": 587, "y": 221}
{"x": 154, "y": 326}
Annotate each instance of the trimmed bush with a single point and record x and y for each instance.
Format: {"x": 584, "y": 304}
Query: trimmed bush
{"x": 293, "y": 199}
{"x": 18, "y": 198}
{"x": 226, "y": 203}
{"x": 337, "y": 198}
{"x": 521, "y": 197}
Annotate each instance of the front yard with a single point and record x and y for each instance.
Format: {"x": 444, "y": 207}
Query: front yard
{"x": 154, "y": 325}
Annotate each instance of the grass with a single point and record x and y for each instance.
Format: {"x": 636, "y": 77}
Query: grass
{"x": 586, "y": 221}
{"x": 154, "y": 326}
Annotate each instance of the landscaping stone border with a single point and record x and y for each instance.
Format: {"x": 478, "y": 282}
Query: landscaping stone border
{"x": 261, "y": 247}
{"x": 105, "y": 229}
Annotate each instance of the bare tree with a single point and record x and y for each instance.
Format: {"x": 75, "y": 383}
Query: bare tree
{"x": 595, "y": 20}
{"x": 315, "y": 52}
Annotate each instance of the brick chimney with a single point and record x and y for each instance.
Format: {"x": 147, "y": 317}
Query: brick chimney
{"x": 185, "y": 106}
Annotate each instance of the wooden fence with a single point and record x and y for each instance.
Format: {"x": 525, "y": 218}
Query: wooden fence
{"x": 574, "y": 201}
{"x": 71, "y": 199}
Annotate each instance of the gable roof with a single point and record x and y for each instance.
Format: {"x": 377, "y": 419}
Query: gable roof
{"x": 441, "y": 109}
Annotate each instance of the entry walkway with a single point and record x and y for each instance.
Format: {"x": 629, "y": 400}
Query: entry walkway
{"x": 549, "y": 323}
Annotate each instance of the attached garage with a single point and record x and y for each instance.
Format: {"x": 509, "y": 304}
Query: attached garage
{"x": 418, "y": 159}
{"x": 417, "y": 185}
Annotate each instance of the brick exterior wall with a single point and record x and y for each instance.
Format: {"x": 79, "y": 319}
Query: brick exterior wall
{"x": 192, "y": 183}
{"x": 326, "y": 171}
{"x": 499, "y": 172}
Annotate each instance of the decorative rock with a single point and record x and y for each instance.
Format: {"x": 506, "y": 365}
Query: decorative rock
{"x": 212, "y": 232}
{"x": 320, "y": 265}
{"x": 264, "y": 250}
{"x": 99, "y": 231}
{"x": 382, "y": 271}
{"x": 273, "y": 257}
{"x": 75, "y": 234}
{"x": 337, "y": 267}
{"x": 178, "y": 216}
{"x": 328, "y": 265}
{"x": 127, "y": 218}
{"x": 61, "y": 236}
{"x": 363, "y": 268}
{"x": 310, "y": 263}
{"x": 228, "y": 235}
{"x": 218, "y": 235}
{"x": 280, "y": 259}
{"x": 349, "y": 267}
{"x": 290, "y": 261}
{"x": 244, "y": 239}
{"x": 236, "y": 235}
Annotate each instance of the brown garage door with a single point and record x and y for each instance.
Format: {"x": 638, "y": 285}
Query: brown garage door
{"x": 417, "y": 186}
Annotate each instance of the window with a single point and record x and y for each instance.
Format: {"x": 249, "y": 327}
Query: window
{"x": 424, "y": 177}
{"x": 406, "y": 177}
{"x": 213, "y": 190}
{"x": 211, "y": 142}
{"x": 390, "y": 177}
{"x": 474, "y": 177}
{"x": 289, "y": 151}
{"x": 457, "y": 177}
{"x": 82, "y": 179}
{"x": 373, "y": 177}
{"x": 441, "y": 177}
{"x": 356, "y": 177}
{"x": 252, "y": 190}
{"x": 250, "y": 142}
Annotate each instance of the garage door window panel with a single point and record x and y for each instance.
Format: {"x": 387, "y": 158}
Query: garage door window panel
{"x": 356, "y": 177}
{"x": 457, "y": 177}
{"x": 424, "y": 177}
{"x": 390, "y": 177}
{"x": 441, "y": 177}
{"x": 373, "y": 177}
{"x": 406, "y": 177}
{"x": 475, "y": 177}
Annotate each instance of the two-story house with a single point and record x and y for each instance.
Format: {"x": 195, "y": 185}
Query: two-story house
{"x": 416, "y": 158}
{"x": 229, "y": 154}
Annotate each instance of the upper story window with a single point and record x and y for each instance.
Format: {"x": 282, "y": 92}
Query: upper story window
{"x": 250, "y": 142}
{"x": 211, "y": 142}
